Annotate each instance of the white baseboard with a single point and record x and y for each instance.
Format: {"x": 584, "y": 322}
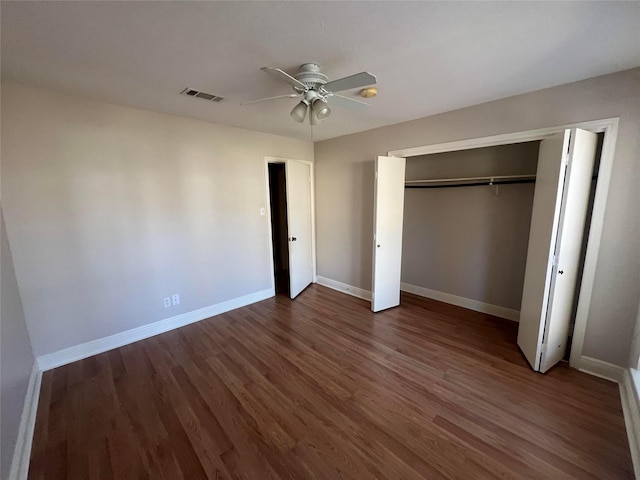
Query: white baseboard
{"x": 476, "y": 305}
{"x": 598, "y": 368}
{"x": 22, "y": 452}
{"x": 629, "y": 384}
{"x": 427, "y": 293}
{"x": 344, "y": 288}
{"x": 94, "y": 347}
{"x": 629, "y": 395}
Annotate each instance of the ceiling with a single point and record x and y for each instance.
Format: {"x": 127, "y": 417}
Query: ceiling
{"x": 429, "y": 57}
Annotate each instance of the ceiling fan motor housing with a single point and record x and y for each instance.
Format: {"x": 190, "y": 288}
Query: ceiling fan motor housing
{"x": 310, "y": 75}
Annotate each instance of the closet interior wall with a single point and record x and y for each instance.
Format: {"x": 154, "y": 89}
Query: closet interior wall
{"x": 470, "y": 241}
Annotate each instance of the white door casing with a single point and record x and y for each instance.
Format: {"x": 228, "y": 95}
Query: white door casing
{"x": 560, "y": 199}
{"x": 298, "y": 186}
{"x": 387, "y": 227}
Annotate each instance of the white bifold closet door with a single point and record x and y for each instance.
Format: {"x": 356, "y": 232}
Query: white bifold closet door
{"x": 298, "y": 186}
{"x": 388, "y": 213}
{"x": 560, "y": 204}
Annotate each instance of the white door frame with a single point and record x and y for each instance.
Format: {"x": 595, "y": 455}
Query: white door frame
{"x": 267, "y": 161}
{"x": 608, "y": 126}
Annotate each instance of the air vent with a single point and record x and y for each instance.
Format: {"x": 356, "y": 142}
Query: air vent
{"x": 190, "y": 92}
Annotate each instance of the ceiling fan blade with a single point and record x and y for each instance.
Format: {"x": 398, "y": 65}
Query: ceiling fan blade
{"x": 346, "y": 102}
{"x": 276, "y": 72}
{"x": 291, "y": 95}
{"x": 358, "y": 80}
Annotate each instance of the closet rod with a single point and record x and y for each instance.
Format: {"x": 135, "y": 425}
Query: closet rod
{"x": 475, "y": 184}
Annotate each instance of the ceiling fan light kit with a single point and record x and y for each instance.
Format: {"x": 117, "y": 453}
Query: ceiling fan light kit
{"x": 320, "y": 109}
{"x": 317, "y": 93}
{"x": 299, "y": 112}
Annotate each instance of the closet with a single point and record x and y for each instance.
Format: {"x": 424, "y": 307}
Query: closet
{"x": 501, "y": 229}
{"x": 466, "y": 226}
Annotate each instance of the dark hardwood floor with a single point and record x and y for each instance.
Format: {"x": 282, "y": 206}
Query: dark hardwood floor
{"x": 321, "y": 388}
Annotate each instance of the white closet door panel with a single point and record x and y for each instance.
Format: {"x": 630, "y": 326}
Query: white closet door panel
{"x": 542, "y": 239}
{"x": 387, "y": 243}
{"x": 569, "y": 245}
{"x": 298, "y": 186}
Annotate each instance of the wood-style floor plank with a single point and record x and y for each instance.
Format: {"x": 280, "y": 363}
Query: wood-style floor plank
{"x": 321, "y": 388}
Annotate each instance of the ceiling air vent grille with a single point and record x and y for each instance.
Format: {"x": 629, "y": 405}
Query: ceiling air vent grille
{"x": 190, "y": 92}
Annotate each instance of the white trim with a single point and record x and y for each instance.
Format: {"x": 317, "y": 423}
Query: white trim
{"x": 94, "y": 347}
{"x": 629, "y": 397}
{"x": 469, "y": 303}
{"x": 608, "y": 126}
{"x": 593, "y": 242}
{"x": 312, "y": 168}
{"x": 344, "y": 288}
{"x": 596, "y": 126}
{"x": 601, "y": 369}
{"x": 22, "y": 452}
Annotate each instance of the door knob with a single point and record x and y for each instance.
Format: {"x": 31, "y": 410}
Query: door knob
{"x": 293, "y": 239}
{"x": 378, "y": 246}
{"x": 561, "y": 272}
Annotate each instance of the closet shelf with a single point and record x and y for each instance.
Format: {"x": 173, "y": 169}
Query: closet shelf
{"x": 469, "y": 181}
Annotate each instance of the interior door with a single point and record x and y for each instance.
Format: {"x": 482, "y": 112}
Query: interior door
{"x": 573, "y": 215}
{"x": 561, "y": 198}
{"x": 298, "y": 181}
{"x": 388, "y": 213}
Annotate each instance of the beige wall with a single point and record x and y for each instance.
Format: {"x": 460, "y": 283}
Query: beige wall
{"x": 344, "y": 191}
{"x": 109, "y": 209}
{"x": 470, "y": 241}
{"x": 16, "y": 357}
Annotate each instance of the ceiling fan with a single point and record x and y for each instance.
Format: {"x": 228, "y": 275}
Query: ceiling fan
{"x": 317, "y": 93}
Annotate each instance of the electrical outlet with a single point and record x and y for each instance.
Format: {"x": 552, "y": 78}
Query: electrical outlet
{"x": 167, "y": 302}
{"x": 175, "y": 299}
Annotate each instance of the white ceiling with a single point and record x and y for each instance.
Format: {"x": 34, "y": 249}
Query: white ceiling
{"x": 429, "y": 57}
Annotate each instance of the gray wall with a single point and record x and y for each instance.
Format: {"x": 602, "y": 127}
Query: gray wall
{"x": 109, "y": 209}
{"x": 470, "y": 241}
{"x": 515, "y": 159}
{"x": 16, "y": 357}
{"x": 344, "y": 191}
